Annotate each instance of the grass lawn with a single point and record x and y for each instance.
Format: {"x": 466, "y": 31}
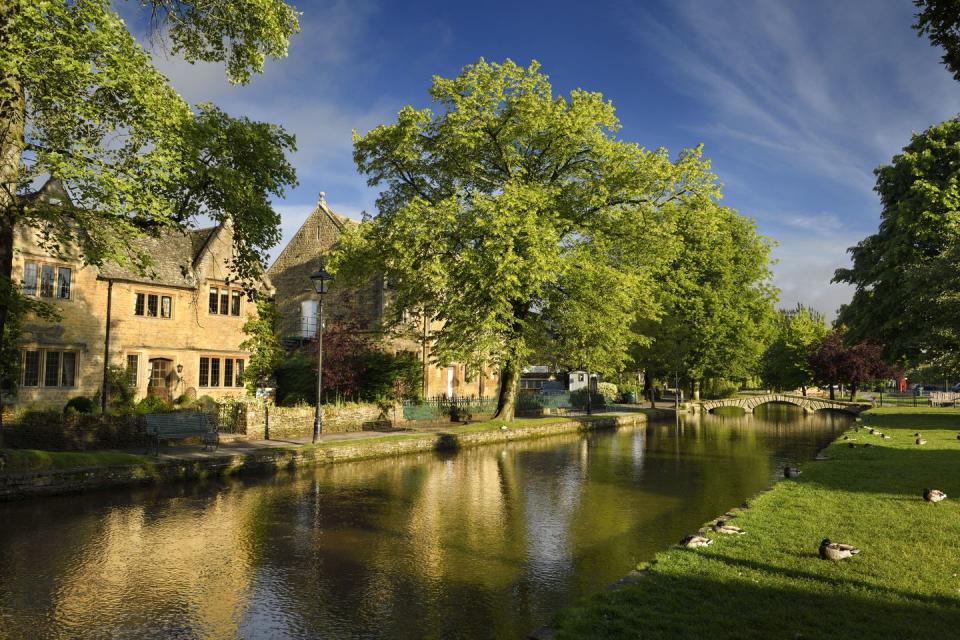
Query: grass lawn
{"x": 20, "y": 460}
{"x": 770, "y": 582}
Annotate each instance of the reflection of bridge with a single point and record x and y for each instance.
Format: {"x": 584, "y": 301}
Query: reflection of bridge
{"x": 808, "y": 404}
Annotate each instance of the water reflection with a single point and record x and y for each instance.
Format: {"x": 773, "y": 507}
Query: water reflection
{"x": 490, "y": 542}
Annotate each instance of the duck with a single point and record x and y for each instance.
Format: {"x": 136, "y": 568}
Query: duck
{"x": 694, "y": 541}
{"x": 869, "y": 446}
{"x": 791, "y": 472}
{"x": 878, "y": 433}
{"x": 503, "y": 427}
{"x": 836, "y": 550}
{"x": 848, "y": 437}
{"x": 886, "y": 437}
{"x": 872, "y": 431}
{"x": 921, "y": 441}
{"x": 728, "y": 529}
{"x": 958, "y": 436}
{"x": 934, "y": 495}
{"x": 820, "y": 457}
{"x": 916, "y": 435}
{"x": 852, "y": 446}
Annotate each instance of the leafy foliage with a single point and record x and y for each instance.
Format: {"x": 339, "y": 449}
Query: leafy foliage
{"x": 832, "y": 362}
{"x": 785, "y": 365}
{"x": 905, "y": 275}
{"x": 263, "y": 344}
{"x": 940, "y": 20}
{"x": 494, "y": 206}
{"x": 716, "y": 298}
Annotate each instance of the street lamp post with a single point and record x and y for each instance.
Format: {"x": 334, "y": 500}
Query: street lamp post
{"x": 321, "y": 282}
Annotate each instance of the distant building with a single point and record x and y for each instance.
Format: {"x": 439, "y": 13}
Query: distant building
{"x": 175, "y": 331}
{"x": 298, "y": 306}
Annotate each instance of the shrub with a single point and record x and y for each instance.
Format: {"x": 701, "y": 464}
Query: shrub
{"x": 153, "y": 404}
{"x": 80, "y": 404}
{"x": 578, "y": 399}
{"x": 716, "y": 388}
{"x": 630, "y": 388}
{"x": 608, "y": 391}
{"x": 121, "y": 393}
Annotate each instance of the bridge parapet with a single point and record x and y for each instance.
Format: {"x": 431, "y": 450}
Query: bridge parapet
{"x": 808, "y": 404}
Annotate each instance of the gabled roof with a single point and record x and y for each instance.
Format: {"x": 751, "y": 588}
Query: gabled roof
{"x": 174, "y": 257}
{"x": 323, "y": 212}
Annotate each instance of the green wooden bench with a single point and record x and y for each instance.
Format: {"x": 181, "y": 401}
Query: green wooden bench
{"x": 179, "y": 425}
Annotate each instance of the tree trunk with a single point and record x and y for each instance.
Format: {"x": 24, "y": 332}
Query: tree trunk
{"x": 12, "y": 118}
{"x": 832, "y": 397}
{"x": 507, "y": 397}
{"x": 853, "y": 392}
{"x": 803, "y": 389}
{"x": 695, "y": 391}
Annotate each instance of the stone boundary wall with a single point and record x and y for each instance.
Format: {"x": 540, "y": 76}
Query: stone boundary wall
{"x": 297, "y": 422}
{"x": 15, "y": 486}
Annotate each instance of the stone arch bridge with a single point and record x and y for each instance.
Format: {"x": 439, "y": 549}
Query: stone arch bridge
{"x": 808, "y": 404}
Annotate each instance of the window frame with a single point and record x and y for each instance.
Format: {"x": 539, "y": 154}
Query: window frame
{"x": 153, "y": 310}
{"x": 58, "y": 292}
{"x": 28, "y": 288}
{"x": 45, "y": 358}
{"x": 203, "y": 372}
{"x": 133, "y": 375}
{"x": 214, "y": 367}
{"x": 23, "y": 369}
{"x": 238, "y": 369}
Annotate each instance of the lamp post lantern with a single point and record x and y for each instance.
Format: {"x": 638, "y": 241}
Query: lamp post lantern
{"x": 321, "y": 282}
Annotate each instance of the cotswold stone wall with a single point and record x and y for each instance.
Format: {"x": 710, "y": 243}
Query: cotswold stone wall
{"x": 297, "y": 422}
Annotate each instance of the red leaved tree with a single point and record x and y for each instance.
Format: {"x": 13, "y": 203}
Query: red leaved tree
{"x": 345, "y": 344}
{"x": 832, "y": 362}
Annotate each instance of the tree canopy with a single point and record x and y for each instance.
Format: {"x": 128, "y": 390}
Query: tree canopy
{"x": 785, "y": 365}
{"x": 940, "y": 20}
{"x": 496, "y": 209}
{"x": 905, "y": 278}
{"x": 716, "y": 298}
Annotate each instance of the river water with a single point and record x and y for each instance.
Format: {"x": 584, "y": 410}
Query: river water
{"x": 489, "y": 542}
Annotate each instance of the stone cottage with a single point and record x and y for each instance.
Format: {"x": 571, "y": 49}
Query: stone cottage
{"x": 176, "y": 330}
{"x": 297, "y": 305}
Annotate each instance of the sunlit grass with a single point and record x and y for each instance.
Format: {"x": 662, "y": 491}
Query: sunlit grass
{"x": 21, "y": 460}
{"x": 770, "y": 583}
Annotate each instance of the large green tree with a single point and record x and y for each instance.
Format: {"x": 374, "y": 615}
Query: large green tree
{"x": 940, "y": 20}
{"x": 905, "y": 276}
{"x": 493, "y": 206}
{"x": 785, "y": 365}
{"x": 716, "y": 298}
{"x": 80, "y": 100}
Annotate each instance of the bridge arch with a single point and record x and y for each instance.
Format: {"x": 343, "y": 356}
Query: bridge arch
{"x": 808, "y": 404}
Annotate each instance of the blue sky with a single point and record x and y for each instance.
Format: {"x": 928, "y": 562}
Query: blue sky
{"x": 795, "y": 102}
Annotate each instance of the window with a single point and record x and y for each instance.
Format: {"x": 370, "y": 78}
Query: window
{"x": 159, "y": 373}
{"x": 133, "y": 368}
{"x": 51, "y": 372}
{"x": 31, "y": 368}
{"x": 69, "y": 369}
{"x": 225, "y": 301}
{"x": 204, "y": 372}
{"x": 46, "y": 281}
{"x": 30, "y": 270}
{"x": 214, "y": 372}
{"x": 63, "y": 291}
{"x": 151, "y": 305}
{"x": 239, "y": 373}
{"x": 227, "y": 372}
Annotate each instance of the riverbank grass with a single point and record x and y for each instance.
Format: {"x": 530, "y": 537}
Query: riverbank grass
{"x": 770, "y": 582}
{"x": 24, "y": 460}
